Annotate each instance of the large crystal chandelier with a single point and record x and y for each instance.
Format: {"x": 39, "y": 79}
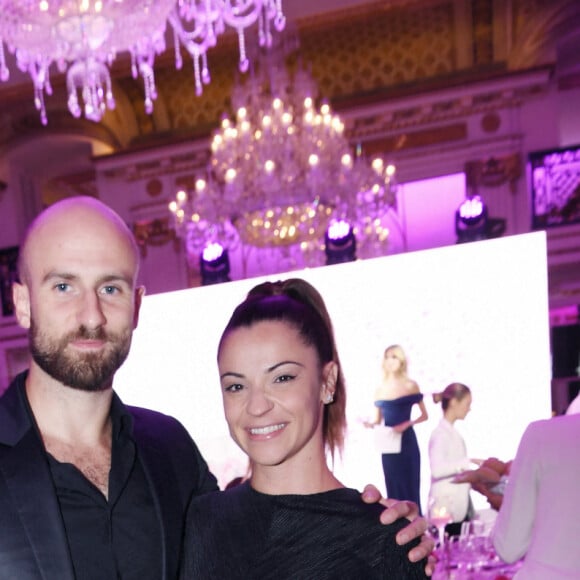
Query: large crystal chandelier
{"x": 83, "y": 37}
{"x": 282, "y": 170}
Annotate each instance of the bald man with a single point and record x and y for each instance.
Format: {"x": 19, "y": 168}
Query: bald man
{"x": 91, "y": 489}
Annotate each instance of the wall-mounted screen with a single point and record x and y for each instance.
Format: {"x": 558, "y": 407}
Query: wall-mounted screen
{"x": 475, "y": 313}
{"x": 555, "y": 180}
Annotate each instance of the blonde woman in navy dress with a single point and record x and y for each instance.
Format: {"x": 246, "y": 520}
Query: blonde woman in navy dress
{"x": 394, "y": 400}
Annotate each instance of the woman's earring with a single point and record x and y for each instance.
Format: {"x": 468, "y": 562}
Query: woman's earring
{"x": 329, "y": 398}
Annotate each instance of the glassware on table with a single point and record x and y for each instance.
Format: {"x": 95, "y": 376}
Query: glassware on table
{"x": 473, "y": 550}
{"x": 439, "y": 515}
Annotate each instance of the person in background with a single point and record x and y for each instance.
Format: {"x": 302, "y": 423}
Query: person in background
{"x": 539, "y": 518}
{"x": 89, "y": 487}
{"x": 284, "y": 401}
{"x": 448, "y": 457}
{"x": 395, "y": 398}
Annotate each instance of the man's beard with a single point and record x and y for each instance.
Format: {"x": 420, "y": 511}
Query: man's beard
{"x": 85, "y": 371}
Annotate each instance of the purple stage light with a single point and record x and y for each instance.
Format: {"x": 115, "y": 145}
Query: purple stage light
{"x": 471, "y": 208}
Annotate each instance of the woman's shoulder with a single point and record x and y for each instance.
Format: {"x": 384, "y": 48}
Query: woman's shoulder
{"x": 221, "y": 500}
{"x": 412, "y": 386}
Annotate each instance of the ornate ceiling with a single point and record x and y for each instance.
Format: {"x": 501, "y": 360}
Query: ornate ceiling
{"x": 362, "y": 53}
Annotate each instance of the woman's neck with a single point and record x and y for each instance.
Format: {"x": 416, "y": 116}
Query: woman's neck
{"x": 288, "y": 478}
{"x": 450, "y": 417}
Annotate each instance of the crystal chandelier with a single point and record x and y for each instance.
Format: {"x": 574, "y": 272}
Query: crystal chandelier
{"x": 83, "y": 37}
{"x": 282, "y": 171}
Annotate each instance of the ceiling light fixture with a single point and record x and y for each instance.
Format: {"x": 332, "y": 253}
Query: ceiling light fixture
{"x": 83, "y": 37}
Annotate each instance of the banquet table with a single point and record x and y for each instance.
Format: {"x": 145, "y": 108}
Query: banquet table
{"x": 473, "y": 560}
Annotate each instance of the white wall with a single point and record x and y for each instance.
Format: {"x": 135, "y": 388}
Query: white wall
{"x": 475, "y": 313}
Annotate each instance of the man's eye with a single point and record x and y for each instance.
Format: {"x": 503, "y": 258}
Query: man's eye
{"x": 62, "y": 287}
{"x": 110, "y": 290}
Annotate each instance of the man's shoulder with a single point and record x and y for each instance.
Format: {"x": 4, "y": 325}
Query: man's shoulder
{"x": 556, "y": 428}
{"x": 149, "y": 414}
{"x": 156, "y": 421}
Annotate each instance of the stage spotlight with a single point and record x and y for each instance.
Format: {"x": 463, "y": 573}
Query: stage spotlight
{"x": 214, "y": 264}
{"x": 471, "y": 220}
{"x": 340, "y": 243}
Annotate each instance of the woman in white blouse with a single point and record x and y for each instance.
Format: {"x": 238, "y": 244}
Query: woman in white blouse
{"x": 448, "y": 457}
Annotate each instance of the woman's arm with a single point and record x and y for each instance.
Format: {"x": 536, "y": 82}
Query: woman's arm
{"x": 377, "y": 420}
{"x": 406, "y": 424}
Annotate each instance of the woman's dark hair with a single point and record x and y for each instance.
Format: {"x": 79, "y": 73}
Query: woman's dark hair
{"x": 453, "y": 391}
{"x": 299, "y": 304}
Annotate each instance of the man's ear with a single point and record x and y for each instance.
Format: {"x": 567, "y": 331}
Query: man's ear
{"x": 139, "y": 293}
{"x": 21, "y": 299}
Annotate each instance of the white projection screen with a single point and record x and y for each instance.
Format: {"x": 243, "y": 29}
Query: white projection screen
{"x": 475, "y": 313}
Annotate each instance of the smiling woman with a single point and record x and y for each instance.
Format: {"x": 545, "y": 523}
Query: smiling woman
{"x": 284, "y": 401}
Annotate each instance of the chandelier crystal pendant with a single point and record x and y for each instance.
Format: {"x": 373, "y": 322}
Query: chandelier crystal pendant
{"x": 282, "y": 170}
{"x": 83, "y": 37}
{"x": 201, "y": 219}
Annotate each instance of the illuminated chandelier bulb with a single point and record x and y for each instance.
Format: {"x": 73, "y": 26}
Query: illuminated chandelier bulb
{"x": 266, "y": 121}
{"x": 287, "y": 118}
{"x": 230, "y": 175}
{"x": 378, "y": 165}
{"x": 308, "y": 103}
{"x": 346, "y": 160}
{"x": 313, "y": 160}
{"x": 181, "y": 196}
{"x": 242, "y": 113}
{"x": 200, "y": 185}
{"x": 216, "y": 143}
{"x": 391, "y": 170}
{"x": 269, "y": 166}
{"x": 277, "y": 104}
{"x": 325, "y": 109}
